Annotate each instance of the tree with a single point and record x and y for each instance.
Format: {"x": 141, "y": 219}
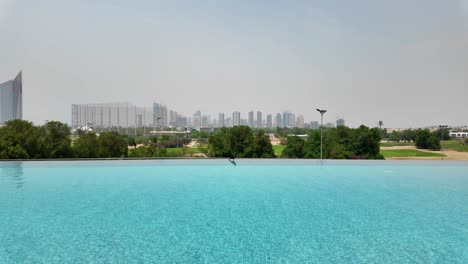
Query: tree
{"x": 338, "y": 143}
{"x": 262, "y": 147}
{"x": 111, "y": 145}
{"x": 434, "y": 143}
{"x": 312, "y": 145}
{"x": 147, "y": 151}
{"x": 56, "y": 142}
{"x": 86, "y": 146}
{"x": 425, "y": 140}
{"x": 20, "y": 139}
{"x": 294, "y": 148}
{"x": 443, "y": 134}
{"x": 380, "y": 124}
{"x": 408, "y": 135}
{"x": 217, "y": 144}
{"x": 395, "y": 136}
{"x": 368, "y": 142}
{"x": 239, "y": 141}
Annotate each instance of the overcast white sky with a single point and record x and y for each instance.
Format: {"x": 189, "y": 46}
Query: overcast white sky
{"x": 404, "y": 62}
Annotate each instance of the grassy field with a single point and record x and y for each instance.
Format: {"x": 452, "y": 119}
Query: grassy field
{"x": 403, "y": 153}
{"x": 454, "y": 144}
{"x": 278, "y": 149}
{"x": 395, "y": 144}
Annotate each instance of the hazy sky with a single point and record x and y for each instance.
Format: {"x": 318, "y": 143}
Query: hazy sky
{"x": 404, "y": 62}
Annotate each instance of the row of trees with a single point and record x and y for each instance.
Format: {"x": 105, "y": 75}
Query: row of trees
{"x": 338, "y": 143}
{"x": 409, "y": 135}
{"x": 423, "y": 138}
{"x": 240, "y": 141}
{"x": 20, "y": 139}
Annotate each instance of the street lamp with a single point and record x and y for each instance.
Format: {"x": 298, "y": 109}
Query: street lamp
{"x": 321, "y": 131}
{"x": 442, "y": 129}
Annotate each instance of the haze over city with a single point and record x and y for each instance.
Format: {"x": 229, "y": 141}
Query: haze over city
{"x": 403, "y": 62}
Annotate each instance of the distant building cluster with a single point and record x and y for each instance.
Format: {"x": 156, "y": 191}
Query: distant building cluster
{"x": 11, "y": 99}
{"x": 125, "y": 117}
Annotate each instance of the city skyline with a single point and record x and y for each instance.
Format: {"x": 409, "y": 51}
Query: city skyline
{"x": 127, "y": 117}
{"x": 400, "y": 62}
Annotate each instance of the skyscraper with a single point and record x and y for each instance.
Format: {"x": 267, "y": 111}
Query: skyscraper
{"x": 236, "y": 119}
{"x": 300, "y": 121}
{"x": 269, "y": 123}
{"x": 196, "y": 120}
{"x": 340, "y": 121}
{"x": 221, "y": 120}
{"x": 315, "y": 125}
{"x": 205, "y": 121}
{"x": 11, "y": 99}
{"x": 251, "y": 119}
{"x": 286, "y": 118}
{"x": 292, "y": 120}
{"x": 259, "y": 119}
{"x": 279, "y": 120}
{"x": 159, "y": 115}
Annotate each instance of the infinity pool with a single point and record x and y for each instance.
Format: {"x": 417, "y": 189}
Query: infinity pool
{"x": 209, "y": 211}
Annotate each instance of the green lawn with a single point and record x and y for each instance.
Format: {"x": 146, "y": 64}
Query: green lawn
{"x": 278, "y": 149}
{"x": 394, "y": 144}
{"x": 402, "y": 153}
{"x": 454, "y": 144}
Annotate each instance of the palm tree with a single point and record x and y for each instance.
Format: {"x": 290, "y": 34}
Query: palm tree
{"x": 380, "y": 124}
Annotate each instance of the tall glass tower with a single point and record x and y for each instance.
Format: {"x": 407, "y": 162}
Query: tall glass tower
{"x": 11, "y": 99}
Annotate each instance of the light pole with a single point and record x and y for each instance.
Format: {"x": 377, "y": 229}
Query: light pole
{"x": 441, "y": 131}
{"x": 321, "y": 131}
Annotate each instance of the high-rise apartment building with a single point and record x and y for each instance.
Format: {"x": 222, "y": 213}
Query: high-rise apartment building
{"x": 292, "y": 120}
{"x": 300, "y": 121}
{"x": 286, "y": 119}
{"x": 228, "y": 122}
{"x": 269, "y": 121}
{"x": 314, "y": 124}
{"x": 251, "y": 119}
{"x": 173, "y": 118}
{"x": 279, "y": 120}
{"x": 236, "y": 120}
{"x": 160, "y": 115}
{"x": 11, "y": 99}
{"x": 259, "y": 119}
{"x": 221, "y": 122}
{"x": 340, "y": 121}
{"x": 196, "y": 120}
{"x": 205, "y": 121}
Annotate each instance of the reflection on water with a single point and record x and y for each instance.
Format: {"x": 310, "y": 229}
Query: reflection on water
{"x": 14, "y": 171}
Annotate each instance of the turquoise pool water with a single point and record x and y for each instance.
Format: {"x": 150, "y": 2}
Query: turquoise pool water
{"x": 208, "y": 211}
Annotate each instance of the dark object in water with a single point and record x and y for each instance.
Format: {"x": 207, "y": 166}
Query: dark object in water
{"x": 231, "y": 159}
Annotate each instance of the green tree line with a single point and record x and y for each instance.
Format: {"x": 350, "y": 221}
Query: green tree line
{"x": 240, "y": 141}
{"x": 422, "y": 138}
{"x": 21, "y": 139}
{"x": 338, "y": 143}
